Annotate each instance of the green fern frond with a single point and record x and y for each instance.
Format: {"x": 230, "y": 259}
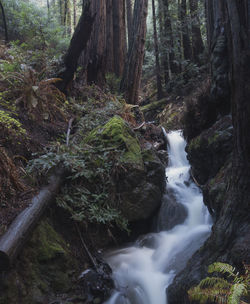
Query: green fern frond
{"x": 236, "y": 291}
{"x": 222, "y": 268}
{"x": 207, "y": 295}
{"x": 214, "y": 282}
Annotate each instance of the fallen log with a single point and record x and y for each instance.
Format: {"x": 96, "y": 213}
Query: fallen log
{"x": 19, "y": 231}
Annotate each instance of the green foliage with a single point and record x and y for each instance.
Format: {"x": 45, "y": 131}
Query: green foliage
{"x": 88, "y": 195}
{"x": 117, "y": 134}
{"x": 29, "y": 23}
{"x": 11, "y": 125}
{"x": 221, "y": 290}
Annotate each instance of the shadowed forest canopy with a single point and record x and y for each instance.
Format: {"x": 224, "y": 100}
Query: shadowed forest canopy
{"x": 85, "y": 89}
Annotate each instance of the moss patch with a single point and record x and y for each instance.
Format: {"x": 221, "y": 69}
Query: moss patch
{"x": 117, "y": 134}
{"x": 195, "y": 143}
{"x": 43, "y": 269}
{"x": 50, "y": 243}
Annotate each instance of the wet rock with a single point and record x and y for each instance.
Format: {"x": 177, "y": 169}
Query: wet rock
{"x": 152, "y": 134}
{"x": 214, "y": 192}
{"x": 141, "y": 191}
{"x": 97, "y": 284}
{"x": 43, "y": 270}
{"x": 139, "y": 178}
{"x": 163, "y": 156}
{"x": 209, "y": 151}
{"x": 171, "y": 213}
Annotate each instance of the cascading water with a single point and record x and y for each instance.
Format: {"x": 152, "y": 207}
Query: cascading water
{"x": 142, "y": 272}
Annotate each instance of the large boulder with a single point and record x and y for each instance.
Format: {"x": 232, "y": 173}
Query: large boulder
{"x": 209, "y": 151}
{"x": 139, "y": 173}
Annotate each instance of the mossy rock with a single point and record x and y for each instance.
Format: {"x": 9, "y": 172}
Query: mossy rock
{"x": 209, "y": 151}
{"x": 117, "y": 134}
{"x": 43, "y": 269}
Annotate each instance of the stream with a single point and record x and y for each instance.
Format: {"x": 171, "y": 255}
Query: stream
{"x": 143, "y": 271}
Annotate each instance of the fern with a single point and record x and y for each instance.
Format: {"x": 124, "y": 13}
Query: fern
{"x": 236, "y": 292}
{"x": 214, "y": 282}
{"x": 221, "y": 290}
{"x": 222, "y": 268}
{"x": 207, "y": 295}
{"x": 89, "y": 195}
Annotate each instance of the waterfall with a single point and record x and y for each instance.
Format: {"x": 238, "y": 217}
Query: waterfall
{"x": 142, "y": 272}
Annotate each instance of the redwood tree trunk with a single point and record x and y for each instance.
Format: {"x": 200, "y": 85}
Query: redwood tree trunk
{"x": 163, "y": 48}
{"x": 131, "y": 79}
{"x": 129, "y": 20}
{"x": 74, "y": 14}
{"x": 169, "y": 37}
{"x": 94, "y": 57}
{"x": 186, "y": 43}
{"x": 119, "y": 25}
{"x": 197, "y": 42}
{"x": 157, "y": 60}
{"x": 230, "y": 238}
{"x": 77, "y": 45}
{"x": 110, "y": 37}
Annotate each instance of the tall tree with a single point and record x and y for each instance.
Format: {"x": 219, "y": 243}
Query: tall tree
{"x": 197, "y": 42}
{"x": 186, "y": 43}
{"x": 74, "y": 14}
{"x": 163, "y": 48}
{"x": 93, "y": 58}
{"x": 230, "y": 237}
{"x": 119, "y": 25}
{"x": 110, "y": 38}
{"x": 77, "y": 44}
{"x": 4, "y": 23}
{"x": 131, "y": 80}
{"x": 157, "y": 60}
{"x": 169, "y": 37}
{"x": 129, "y": 20}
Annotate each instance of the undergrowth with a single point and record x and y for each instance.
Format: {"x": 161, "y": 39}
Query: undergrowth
{"x": 89, "y": 194}
{"x": 231, "y": 289}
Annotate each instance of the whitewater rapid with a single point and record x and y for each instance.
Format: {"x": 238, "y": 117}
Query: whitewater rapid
{"x": 142, "y": 272}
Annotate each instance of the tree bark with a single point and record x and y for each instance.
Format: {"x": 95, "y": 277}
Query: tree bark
{"x": 4, "y": 23}
{"x": 169, "y": 38}
{"x": 74, "y": 14}
{"x": 163, "y": 49}
{"x": 230, "y": 238}
{"x": 119, "y": 25}
{"x": 187, "y": 50}
{"x": 19, "y": 231}
{"x": 197, "y": 42}
{"x": 110, "y": 38}
{"x": 157, "y": 60}
{"x": 94, "y": 59}
{"x": 131, "y": 79}
{"x": 77, "y": 44}
{"x": 129, "y": 21}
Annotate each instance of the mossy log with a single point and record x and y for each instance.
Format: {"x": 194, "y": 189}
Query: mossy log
{"x": 19, "y": 231}
{"x": 156, "y": 105}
